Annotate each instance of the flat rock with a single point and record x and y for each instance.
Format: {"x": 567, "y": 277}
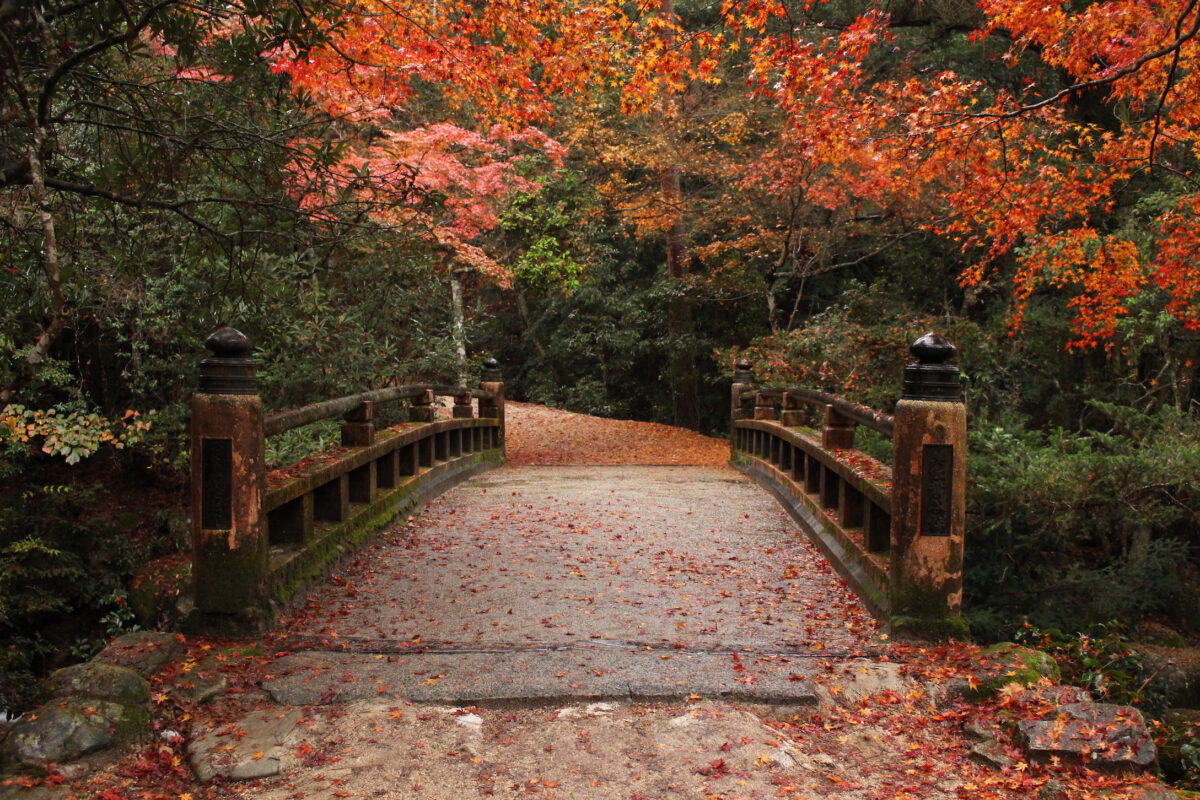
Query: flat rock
{"x": 253, "y": 747}
{"x": 857, "y": 679}
{"x": 990, "y": 753}
{"x": 100, "y": 680}
{"x": 145, "y": 652}
{"x": 1101, "y": 734}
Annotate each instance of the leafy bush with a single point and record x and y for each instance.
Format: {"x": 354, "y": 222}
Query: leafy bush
{"x": 63, "y": 569}
{"x": 856, "y": 348}
{"x": 1100, "y": 661}
{"x": 1069, "y": 530}
{"x": 304, "y": 442}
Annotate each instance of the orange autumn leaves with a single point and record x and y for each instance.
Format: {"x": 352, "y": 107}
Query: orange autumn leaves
{"x": 1015, "y": 174}
{"x": 1006, "y": 168}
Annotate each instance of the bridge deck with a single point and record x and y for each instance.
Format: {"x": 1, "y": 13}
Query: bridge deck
{"x": 562, "y": 582}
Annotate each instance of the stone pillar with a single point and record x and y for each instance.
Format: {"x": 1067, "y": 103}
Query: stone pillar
{"x": 838, "y": 432}
{"x": 929, "y": 478}
{"x": 422, "y": 407}
{"x": 358, "y": 426}
{"x": 462, "y": 405}
{"x": 493, "y": 381}
{"x": 229, "y": 542}
{"x": 743, "y": 379}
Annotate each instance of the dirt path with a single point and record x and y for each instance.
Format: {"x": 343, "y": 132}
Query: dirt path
{"x": 540, "y": 435}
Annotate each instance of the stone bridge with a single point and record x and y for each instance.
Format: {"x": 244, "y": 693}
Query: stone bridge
{"x": 586, "y": 582}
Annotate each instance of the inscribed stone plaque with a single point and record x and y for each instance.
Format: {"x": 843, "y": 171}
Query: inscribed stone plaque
{"x": 216, "y": 484}
{"x": 937, "y": 478}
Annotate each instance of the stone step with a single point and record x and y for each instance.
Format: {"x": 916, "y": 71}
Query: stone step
{"x": 530, "y": 678}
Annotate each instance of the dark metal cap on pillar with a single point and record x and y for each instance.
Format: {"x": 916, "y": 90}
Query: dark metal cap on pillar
{"x": 230, "y": 370}
{"x": 742, "y": 372}
{"x": 491, "y": 371}
{"x": 931, "y": 378}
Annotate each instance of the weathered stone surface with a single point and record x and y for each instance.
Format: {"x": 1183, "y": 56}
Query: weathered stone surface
{"x": 145, "y": 652}
{"x": 860, "y": 678}
{"x": 205, "y": 690}
{"x": 64, "y": 732}
{"x": 1177, "y": 674}
{"x": 103, "y": 681}
{"x": 1099, "y": 733}
{"x": 253, "y": 747}
{"x": 1053, "y": 789}
{"x": 990, "y": 753}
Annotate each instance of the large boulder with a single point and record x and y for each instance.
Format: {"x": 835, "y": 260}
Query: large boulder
{"x": 146, "y": 652}
{"x": 94, "y": 706}
{"x": 61, "y": 732}
{"x": 101, "y": 681}
{"x": 1100, "y": 734}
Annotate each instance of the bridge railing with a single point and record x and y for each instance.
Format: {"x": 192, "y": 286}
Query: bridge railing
{"x": 894, "y": 532}
{"x": 259, "y": 536}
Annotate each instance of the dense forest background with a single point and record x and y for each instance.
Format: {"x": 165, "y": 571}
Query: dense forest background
{"x": 615, "y": 201}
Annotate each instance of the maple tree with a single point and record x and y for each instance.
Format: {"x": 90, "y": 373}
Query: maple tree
{"x": 1006, "y": 169}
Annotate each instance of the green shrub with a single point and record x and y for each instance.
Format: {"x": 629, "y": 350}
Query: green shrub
{"x": 300, "y": 443}
{"x": 63, "y": 569}
{"x": 1070, "y": 530}
{"x": 1100, "y": 661}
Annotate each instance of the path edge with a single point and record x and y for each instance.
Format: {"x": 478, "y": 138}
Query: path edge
{"x": 875, "y": 600}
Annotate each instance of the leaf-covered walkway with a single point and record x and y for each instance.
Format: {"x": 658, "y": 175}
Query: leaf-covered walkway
{"x": 562, "y": 582}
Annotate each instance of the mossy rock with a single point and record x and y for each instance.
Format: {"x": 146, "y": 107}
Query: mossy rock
{"x": 1154, "y": 633}
{"x": 58, "y": 733}
{"x": 1176, "y": 674}
{"x": 146, "y": 652}
{"x": 101, "y": 681}
{"x": 1012, "y": 663}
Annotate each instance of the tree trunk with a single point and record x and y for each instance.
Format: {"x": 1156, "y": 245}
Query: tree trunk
{"x": 58, "y": 319}
{"x": 682, "y": 368}
{"x": 459, "y": 326}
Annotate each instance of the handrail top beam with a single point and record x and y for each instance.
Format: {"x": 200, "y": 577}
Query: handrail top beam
{"x": 863, "y": 415}
{"x": 281, "y": 421}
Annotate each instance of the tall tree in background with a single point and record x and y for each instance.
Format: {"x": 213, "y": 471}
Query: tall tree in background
{"x": 135, "y": 105}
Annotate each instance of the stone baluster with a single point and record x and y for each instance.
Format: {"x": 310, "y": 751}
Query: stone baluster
{"x": 838, "y": 431}
{"x": 422, "y": 407}
{"x": 492, "y": 381}
{"x": 929, "y": 478}
{"x": 358, "y": 426}
{"x": 462, "y": 405}
{"x": 228, "y": 465}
